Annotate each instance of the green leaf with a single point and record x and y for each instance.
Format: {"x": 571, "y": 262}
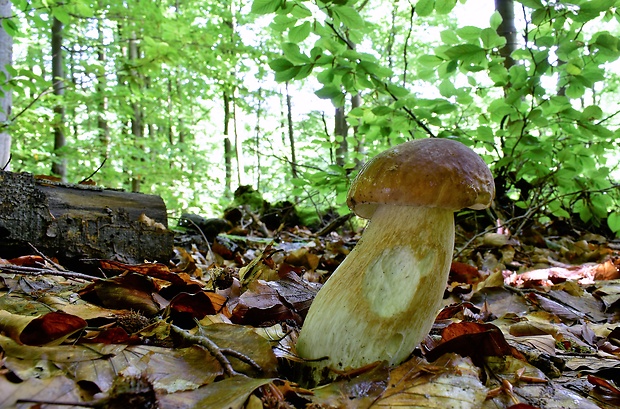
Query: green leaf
{"x": 575, "y": 90}
{"x": 490, "y": 38}
{"x": 444, "y": 6}
{"x": 463, "y": 50}
{"x": 424, "y": 8}
{"x": 280, "y": 64}
{"x": 382, "y": 110}
{"x": 9, "y": 26}
{"x": 591, "y": 112}
{"x": 287, "y": 75}
{"x": 293, "y": 54}
{"x": 61, "y": 14}
{"x": 573, "y": 69}
{"x": 613, "y": 221}
{"x": 300, "y": 11}
{"x": 469, "y": 33}
{"x": 329, "y": 91}
{"x": 398, "y": 91}
{"x": 449, "y": 37}
{"x": 430, "y": 61}
{"x": 485, "y": 134}
{"x": 533, "y": 4}
{"x": 299, "y": 33}
{"x": 606, "y": 40}
{"x": 447, "y": 89}
{"x": 349, "y": 16}
{"x": 374, "y": 69}
{"x": 496, "y": 20}
{"x": 266, "y": 6}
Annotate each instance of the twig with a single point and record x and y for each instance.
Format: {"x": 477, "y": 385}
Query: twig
{"x": 242, "y": 357}
{"x": 334, "y": 224}
{"x": 6, "y": 165}
{"x": 49, "y": 260}
{"x": 20, "y": 113}
{"x": 35, "y": 271}
{"x": 209, "y": 251}
{"x": 209, "y": 345}
{"x": 95, "y": 172}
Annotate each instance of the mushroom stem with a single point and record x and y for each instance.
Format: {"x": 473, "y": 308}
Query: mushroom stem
{"x": 383, "y": 299}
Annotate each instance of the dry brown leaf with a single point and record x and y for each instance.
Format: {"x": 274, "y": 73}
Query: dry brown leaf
{"x": 52, "y": 328}
{"x": 450, "y": 382}
{"x": 53, "y": 389}
{"x": 230, "y": 393}
{"x": 246, "y": 341}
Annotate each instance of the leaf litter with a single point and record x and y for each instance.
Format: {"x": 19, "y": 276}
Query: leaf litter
{"x": 524, "y": 325}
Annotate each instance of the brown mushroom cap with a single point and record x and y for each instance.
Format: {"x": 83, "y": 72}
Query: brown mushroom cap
{"x": 428, "y": 172}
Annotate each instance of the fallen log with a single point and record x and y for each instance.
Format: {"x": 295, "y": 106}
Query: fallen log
{"x": 74, "y": 222}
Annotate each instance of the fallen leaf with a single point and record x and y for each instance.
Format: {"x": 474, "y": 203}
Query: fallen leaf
{"x": 472, "y": 340}
{"x": 450, "y": 382}
{"x": 229, "y": 393}
{"x": 48, "y": 329}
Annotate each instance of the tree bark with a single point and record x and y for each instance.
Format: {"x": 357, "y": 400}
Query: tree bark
{"x": 6, "y": 96}
{"x": 291, "y": 136}
{"x": 341, "y": 129}
{"x": 102, "y": 123}
{"x": 238, "y": 144}
{"x": 356, "y": 101}
{"x": 258, "y": 130}
{"x": 228, "y": 153}
{"x": 59, "y": 166}
{"x": 74, "y": 222}
{"x": 137, "y": 124}
{"x": 507, "y": 29}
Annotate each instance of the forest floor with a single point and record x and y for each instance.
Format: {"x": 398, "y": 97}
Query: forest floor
{"x": 529, "y": 321}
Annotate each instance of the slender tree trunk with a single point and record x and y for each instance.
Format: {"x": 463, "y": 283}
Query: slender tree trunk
{"x": 59, "y": 167}
{"x": 227, "y": 144}
{"x": 356, "y": 101}
{"x": 291, "y": 135}
{"x": 507, "y": 29}
{"x": 6, "y": 97}
{"x": 74, "y": 125}
{"x": 238, "y": 144}
{"x": 137, "y": 124}
{"x": 257, "y": 141}
{"x": 170, "y": 116}
{"x": 102, "y": 100}
{"x": 341, "y": 129}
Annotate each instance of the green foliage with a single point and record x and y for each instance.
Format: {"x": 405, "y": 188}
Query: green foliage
{"x": 547, "y": 124}
{"x": 541, "y": 121}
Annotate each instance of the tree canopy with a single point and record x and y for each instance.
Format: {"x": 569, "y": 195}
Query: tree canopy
{"x": 193, "y": 99}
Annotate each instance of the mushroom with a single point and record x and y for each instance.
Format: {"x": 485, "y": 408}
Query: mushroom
{"x": 383, "y": 298}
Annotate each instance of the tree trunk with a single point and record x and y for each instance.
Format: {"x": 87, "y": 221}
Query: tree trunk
{"x": 6, "y": 52}
{"x": 102, "y": 123}
{"x": 238, "y": 144}
{"x": 341, "y": 129}
{"x": 258, "y": 134}
{"x": 136, "y": 119}
{"x": 59, "y": 167}
{"x": 356, "y": 101}
{"x": 291, "y": 136}
{"x": 76, "y": 222}
{"x": 227, "y": 145}
{"x": 507, "y": 29}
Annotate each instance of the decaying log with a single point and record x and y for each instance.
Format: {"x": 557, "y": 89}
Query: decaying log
{"x": 80, "y": 221}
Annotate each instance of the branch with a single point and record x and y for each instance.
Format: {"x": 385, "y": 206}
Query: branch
{"x": 35, "y": 271}
{"x": 384, "y": 84}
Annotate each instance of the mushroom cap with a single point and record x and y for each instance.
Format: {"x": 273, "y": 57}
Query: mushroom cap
{"x": 428, "y": 172}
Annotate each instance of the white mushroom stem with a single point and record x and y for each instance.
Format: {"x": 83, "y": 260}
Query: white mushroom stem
{"x": 383, "y": 299}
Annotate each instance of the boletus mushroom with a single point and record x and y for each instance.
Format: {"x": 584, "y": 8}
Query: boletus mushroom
{"x": 383, "y": 298}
